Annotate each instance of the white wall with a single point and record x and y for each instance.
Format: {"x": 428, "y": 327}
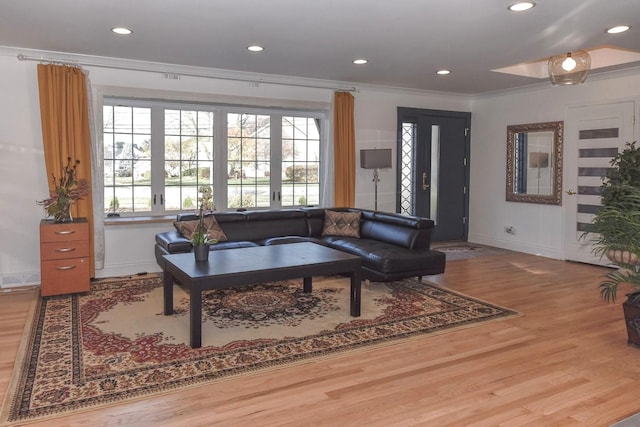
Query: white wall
{"x": 376, "y": 121}
{"x": 539, "y": 228}
{"x": 23, "y": 178}
{"x": 129, "y": 249}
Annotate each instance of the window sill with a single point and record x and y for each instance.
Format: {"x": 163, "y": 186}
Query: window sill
{"x": 137, "y": 220}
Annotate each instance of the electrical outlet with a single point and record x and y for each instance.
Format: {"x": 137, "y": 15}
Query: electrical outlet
{"x": 510, "y": 229}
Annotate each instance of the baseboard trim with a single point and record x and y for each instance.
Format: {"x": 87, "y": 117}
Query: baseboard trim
{"x": 544, "y": 251}
{"x": 128, "y": 269}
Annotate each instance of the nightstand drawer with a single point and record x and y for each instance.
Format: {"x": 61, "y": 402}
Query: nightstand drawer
{"x": 64, "y": 276}
{"x": 52, "y": 232}
{"x": 64, "y": 250}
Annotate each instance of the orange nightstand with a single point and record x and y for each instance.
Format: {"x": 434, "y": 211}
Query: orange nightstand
{"x": 64, "y": 257}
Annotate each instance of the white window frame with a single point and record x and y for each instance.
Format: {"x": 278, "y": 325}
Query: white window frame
{"x": 220, "y": 178}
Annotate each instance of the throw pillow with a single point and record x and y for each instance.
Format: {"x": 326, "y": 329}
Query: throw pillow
{"x": 187, "y": 228}
{"x": 346, "y": 224}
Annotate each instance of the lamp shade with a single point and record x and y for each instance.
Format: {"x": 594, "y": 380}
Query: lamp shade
{"x": 375, "y": 159}
{"x": 570, "y": 68}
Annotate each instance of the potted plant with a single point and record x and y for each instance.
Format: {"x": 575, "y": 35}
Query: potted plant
{"x": 617, "y": 228}
{"x": 200, "y": 238}
{"x": 66, "y": 190}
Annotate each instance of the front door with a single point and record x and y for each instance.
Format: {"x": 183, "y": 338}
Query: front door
{"x": 593, "y": 136}
{"x": 433, "y": 169}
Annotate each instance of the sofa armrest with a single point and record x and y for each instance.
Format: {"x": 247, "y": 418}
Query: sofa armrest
{"x": 173, "y": 242}
{"x": 403, "y": 230}
{"x": 408, "y": 221}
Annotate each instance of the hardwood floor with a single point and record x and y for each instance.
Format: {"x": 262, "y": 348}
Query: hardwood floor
{"x": 565, "y": 362}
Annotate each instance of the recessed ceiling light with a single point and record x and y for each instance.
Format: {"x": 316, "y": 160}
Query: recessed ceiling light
{"x": 443, "y": 72}
{"x": 521, "y": 6}
{"x": 360, "y": 61}
{"x": 122, "y": 31}
{"x": 618, "y": 29}
{"x": 255, "y": 48}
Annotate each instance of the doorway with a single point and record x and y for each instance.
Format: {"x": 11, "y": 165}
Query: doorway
{"x": 433, "y": 169}
{"x": 593, "y": 136}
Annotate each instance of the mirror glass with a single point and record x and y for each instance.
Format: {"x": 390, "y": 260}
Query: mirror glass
{"x": 534, "y": 163}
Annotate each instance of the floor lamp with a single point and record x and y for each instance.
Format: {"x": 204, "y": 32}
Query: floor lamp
{"x": 375, "y": 159}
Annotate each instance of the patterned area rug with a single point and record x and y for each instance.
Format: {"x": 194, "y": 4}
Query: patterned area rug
{"x": 114, "y": 344}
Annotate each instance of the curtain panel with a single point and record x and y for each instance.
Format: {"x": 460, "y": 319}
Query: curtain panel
{"x": 344, "y": 145}
{"x": 64, "y": 113}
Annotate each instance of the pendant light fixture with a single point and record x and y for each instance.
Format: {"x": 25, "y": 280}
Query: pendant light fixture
{"x": 569, "y": 69}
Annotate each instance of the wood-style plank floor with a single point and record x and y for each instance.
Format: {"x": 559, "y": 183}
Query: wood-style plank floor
{"x": 565, "y": 362}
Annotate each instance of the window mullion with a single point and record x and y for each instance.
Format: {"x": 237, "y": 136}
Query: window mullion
{"x": 276, "y": 160}
{"x": 220, "y": 174}
{"x": 157, "y": 165}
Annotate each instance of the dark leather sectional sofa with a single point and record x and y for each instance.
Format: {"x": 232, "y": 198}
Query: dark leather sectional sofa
{"x": 392, "y": 246}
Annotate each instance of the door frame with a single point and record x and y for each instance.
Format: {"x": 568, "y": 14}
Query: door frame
{"x": 403, "y": 113}
{"x": 576, "y": 246}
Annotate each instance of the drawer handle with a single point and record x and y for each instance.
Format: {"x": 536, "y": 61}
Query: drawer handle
{"x": 65, "y": 250}
{"x": 65, "y": 232}
{"x": 66, "y": 267}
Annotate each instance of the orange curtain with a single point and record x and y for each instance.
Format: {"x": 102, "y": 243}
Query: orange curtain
{"x": 64, "y": 113}
{"x": 344, "y": 150}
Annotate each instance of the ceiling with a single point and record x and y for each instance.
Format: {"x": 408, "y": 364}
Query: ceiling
{"x": 405, "y": 41}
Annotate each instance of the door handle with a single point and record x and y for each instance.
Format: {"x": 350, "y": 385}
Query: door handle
{"x": 571, "y": 192}
{"x": 425, "y": 186}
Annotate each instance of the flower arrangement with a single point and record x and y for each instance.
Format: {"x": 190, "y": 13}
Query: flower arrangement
{"x": 205, "y": 205}
{"x": 68, "y": 189}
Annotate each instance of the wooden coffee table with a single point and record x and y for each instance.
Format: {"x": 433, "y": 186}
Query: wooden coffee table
{"x": 243, "y": 266}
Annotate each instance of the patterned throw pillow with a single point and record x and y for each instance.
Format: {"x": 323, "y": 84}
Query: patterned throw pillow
{"x": 187, "y": 228}
{"x": 345, "y": 224}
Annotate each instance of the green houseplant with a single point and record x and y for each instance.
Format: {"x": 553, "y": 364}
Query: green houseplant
{"x": 617, "y": 228}
{"x": 67, "y": 189}
{"x": 200, "y": 238}
{"x": 617, "y": 223}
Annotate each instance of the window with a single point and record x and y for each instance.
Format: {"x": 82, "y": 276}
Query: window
{"x": 188, "y": 156}
{"x": 300, "y": 161}
{"x": 249, "y": 160}
{"x": 127, "y": 158}
{"x": 157, "y": 154}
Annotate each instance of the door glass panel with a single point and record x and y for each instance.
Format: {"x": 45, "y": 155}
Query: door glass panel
{"x": 435, "y": 171}
{"x": 407, "y": 184}
{"x": 596, "y": 149}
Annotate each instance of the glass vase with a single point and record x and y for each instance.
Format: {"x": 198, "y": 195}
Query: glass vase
{"x": 63, "y": 213}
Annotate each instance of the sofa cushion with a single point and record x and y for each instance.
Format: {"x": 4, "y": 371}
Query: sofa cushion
{"x": 263, "y": 225}
{"x": 345, "y": 224}
{"x": 385, "y": 257}
{"x": 187, "y": 228}
{"x": 173, "y": 242}
{"x": 232, "y": 245}
{"x": 293, "y": 239}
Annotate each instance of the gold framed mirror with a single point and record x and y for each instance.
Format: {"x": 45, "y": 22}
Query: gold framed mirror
{"x": 534, "y": 163}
